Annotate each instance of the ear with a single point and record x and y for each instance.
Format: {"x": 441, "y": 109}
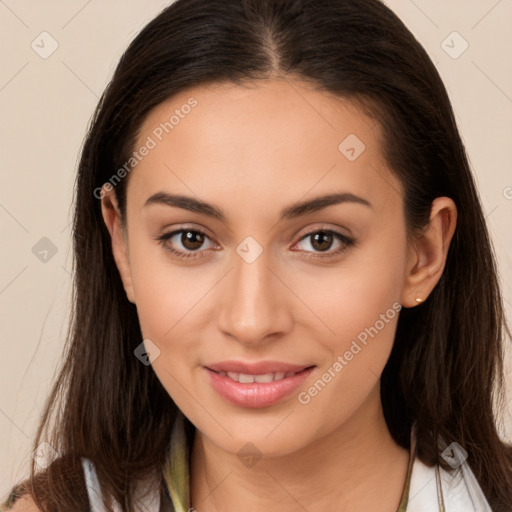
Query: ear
{"x": 427, "y": 254}
{"x": 112, "y": 217}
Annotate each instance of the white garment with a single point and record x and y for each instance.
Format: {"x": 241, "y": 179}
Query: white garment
{"x": 459, "y": 489}
{"x": 149, "y": 503}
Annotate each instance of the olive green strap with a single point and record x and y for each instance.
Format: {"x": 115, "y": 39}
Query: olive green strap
{"x": 412, "y": 455}
{"x": 176, "y": 473}
{"x": 440, "y": 498}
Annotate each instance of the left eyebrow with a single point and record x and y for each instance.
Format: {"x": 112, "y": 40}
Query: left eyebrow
{"x": 296, "y": 210}
{"x": 321, "y": 202}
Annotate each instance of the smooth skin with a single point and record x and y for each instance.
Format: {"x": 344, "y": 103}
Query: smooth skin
{"x": 253, "y": 151}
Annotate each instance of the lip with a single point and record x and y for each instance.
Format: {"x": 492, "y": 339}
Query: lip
{"x": 256, "y": 394}
{"x": 257, "y": 368}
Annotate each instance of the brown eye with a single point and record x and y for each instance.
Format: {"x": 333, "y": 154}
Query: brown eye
{"x": 185, "y": 243}
{"x": 321, "y": 241}
{"x": 192, "y": 240}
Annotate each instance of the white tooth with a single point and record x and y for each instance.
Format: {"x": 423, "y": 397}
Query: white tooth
{"x": 245, "y": 378}
{"x": 267, "y": 377}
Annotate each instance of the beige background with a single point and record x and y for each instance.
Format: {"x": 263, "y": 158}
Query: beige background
{"x": 46, "y": 105}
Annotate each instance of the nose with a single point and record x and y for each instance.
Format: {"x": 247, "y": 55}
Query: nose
{"x": 254, "y": 304}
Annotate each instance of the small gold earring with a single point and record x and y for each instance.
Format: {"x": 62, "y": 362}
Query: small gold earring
{"x": 418, "y": 300}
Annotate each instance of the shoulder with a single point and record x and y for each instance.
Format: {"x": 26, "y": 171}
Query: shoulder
{"x": 457, "y": 489}
{"x": 82, "y": 478}
{"x": 147, "y": 492}
{"x": 24, "y": 504}
{"x": 65, "y": 473}
{"x": 462, "y": 488}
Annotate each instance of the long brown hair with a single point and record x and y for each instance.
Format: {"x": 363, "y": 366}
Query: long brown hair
{"x": 446, "y": 367}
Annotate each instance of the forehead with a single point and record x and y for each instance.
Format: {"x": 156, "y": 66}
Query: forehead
{"x": 280, "y": 139}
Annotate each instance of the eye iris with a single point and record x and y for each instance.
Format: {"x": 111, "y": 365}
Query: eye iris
{"x": 192, "y": 240}
{"x": 325, "y": 240}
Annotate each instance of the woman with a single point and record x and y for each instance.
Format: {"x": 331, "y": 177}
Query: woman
{"x": 286, "y": 297}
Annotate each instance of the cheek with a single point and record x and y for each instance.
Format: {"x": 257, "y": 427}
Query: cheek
{"x": 351, "y": 295}
{"x": 168, "y": 296}
{"x": 170, "y": 303}
{"x": 352, "y": 360}
{"x": 359, "y": 305}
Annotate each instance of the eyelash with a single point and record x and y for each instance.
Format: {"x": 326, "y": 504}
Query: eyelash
{"x": 163, "y": 240}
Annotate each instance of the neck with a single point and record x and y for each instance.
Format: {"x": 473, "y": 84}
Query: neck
{"x": 343, "y": 470}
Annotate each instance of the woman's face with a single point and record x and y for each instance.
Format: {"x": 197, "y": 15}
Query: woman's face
{"x": 264, "y": 270}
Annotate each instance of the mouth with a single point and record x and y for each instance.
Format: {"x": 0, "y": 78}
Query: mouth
{"x": 256, "y": 385}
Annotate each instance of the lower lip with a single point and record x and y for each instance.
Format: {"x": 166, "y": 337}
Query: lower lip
{"x": 256, "y": 394}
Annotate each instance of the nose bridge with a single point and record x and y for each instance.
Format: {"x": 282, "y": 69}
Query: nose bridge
{"x": 254, "y": 306}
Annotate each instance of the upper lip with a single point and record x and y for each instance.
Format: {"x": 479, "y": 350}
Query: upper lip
{"x": 257, "y": 368}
